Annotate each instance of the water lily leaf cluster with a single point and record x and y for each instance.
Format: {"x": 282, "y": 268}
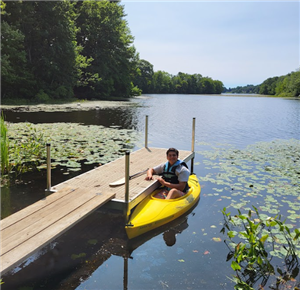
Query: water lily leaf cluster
{"x": 71, "y": 144}
{"x": 70, "y": 107}
{"x": 266, "y": 174}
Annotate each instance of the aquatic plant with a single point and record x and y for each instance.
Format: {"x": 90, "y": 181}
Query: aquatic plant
{"x": 253, "y": 241}
{"x": 25, "y": 150}
{"x": 71, "y": 145}
{"x": 21, "y": 154}
{"x": 265, "y": 174}
{"x": 4, "y": 147}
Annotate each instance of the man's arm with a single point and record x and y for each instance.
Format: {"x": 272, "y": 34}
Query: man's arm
{"x": 150, "y": 174}
{"x": 180, "y": 186}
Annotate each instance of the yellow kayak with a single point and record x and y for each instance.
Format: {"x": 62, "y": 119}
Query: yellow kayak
{"x": 154, "y": 212}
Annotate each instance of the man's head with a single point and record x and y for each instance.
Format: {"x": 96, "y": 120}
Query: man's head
{"x": 173, "y": 150}
{"x": 172, "y": 155}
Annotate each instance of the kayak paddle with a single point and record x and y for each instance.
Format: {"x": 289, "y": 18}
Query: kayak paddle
{"x": 122, "y": 180}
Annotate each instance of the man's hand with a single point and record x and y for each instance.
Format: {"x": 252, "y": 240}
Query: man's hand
{"x": 161, "y": 180}
{"x": 150, "y": 173}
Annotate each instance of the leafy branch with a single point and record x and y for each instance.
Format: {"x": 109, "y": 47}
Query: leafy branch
{"x": 251, "y": 258}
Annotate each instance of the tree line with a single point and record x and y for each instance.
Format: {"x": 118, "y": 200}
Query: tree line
{"x": 61, "y": 49}
{"x": 285, "y": 86}
{"x": 164, "y": 83}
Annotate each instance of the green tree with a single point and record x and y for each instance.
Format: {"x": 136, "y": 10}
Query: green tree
{"x": 268, "y": 87}
{"x": 16, "y": 79}
{"x": 51, "y": 47}
{"x": 219, "y": 87}
{"x": 161, "y": 83}
{"x": 106, "y": 40}
{"x": 144, "y": 75}
{"x": 48, "y": 45}
{"x": 208, "y": 85}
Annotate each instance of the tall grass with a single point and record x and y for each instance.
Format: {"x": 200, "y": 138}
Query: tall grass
{"x": 4, "y": 147}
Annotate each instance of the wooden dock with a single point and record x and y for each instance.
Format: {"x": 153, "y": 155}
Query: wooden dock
{"x": 140, "y": 160}
{"x": 30, "y": 229}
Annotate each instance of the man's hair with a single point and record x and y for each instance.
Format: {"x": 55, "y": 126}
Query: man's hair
{"x": 173, "y": 150}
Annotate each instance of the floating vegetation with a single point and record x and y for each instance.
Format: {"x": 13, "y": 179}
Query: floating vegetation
{"x": 68, "y": 107}
{"x": 253, "y": 242}
{"x": 92, "y": 242}
{"x": 71, "y": 144}
{"x": 75, "y": 256}
{"x": 266, "y": 174}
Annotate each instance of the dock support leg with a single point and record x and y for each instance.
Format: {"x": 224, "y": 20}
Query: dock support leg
{"x": 125, "y": 277}
{"x": 48, "y": 190}
{"x": 193, "y": 144}
{"x": 126, "y": 209}
{"x": 146, "y": 132}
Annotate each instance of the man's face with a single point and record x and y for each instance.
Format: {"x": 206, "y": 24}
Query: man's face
{"x": 172, "y": 157}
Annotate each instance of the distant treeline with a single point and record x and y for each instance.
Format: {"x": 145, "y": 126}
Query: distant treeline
{"x": 83, "y": 49}
{"x": 286, "y": 86}
{"x": 249, "y": 89}
{"x": 164, "y": 83}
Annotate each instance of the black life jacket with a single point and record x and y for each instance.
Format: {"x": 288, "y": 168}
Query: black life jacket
{"x": 169, "y": 174}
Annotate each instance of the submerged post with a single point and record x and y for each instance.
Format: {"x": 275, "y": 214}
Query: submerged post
{"x": 146, "y": 132}
{"x": 127, "y": 155}
{"x": 193, "y": 144}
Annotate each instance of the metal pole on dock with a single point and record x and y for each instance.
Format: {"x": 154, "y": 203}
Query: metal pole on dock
{"x": 127, "y": 162}
{"x": 48, "y": 168}
{"x": 146, "y": 132}
{"x": 193, "y": 144}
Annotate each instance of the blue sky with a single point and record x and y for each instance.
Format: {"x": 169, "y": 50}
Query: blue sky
{"x": 236, "y": 42}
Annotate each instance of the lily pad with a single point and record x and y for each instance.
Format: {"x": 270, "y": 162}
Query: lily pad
{"x": 265, "y": 174}
{"x": 71, "y": 144}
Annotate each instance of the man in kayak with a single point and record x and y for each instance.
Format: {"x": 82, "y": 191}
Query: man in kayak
{"x": 174, "y": 176}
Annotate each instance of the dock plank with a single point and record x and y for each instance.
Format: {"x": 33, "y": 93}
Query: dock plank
{"x": 40, "y": 220}
{"x": 10, "y": 220}
{"x": 26, "y": 249}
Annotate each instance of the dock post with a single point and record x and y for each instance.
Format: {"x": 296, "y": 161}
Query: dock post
{"x": 48, "y": 168}
{"x": 146, "y": 132}
{"x": 48, "y": 190}
{"x": 193, "y": 144}
{"x": 125, "y": 277}
{"x": 127, "y": 159}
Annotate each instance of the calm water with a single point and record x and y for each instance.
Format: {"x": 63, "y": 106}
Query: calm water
{"x": 96, "y": 255}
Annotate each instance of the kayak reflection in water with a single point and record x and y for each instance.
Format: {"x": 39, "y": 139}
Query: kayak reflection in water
{"x": 174, "y": 176}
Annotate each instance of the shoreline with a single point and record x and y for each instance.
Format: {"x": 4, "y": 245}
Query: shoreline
{"x": 70, "y": 106}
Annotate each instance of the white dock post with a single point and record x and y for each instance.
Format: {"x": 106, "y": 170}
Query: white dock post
{"x": 146, "y": 132}
{"x": 127, "y": 160}
{"x": 193, "y": 144}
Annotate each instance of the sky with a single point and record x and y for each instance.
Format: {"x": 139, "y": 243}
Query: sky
{"x": 236, "y": 42}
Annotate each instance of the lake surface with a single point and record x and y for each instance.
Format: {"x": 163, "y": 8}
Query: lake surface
{"x": 95, "y": 255}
